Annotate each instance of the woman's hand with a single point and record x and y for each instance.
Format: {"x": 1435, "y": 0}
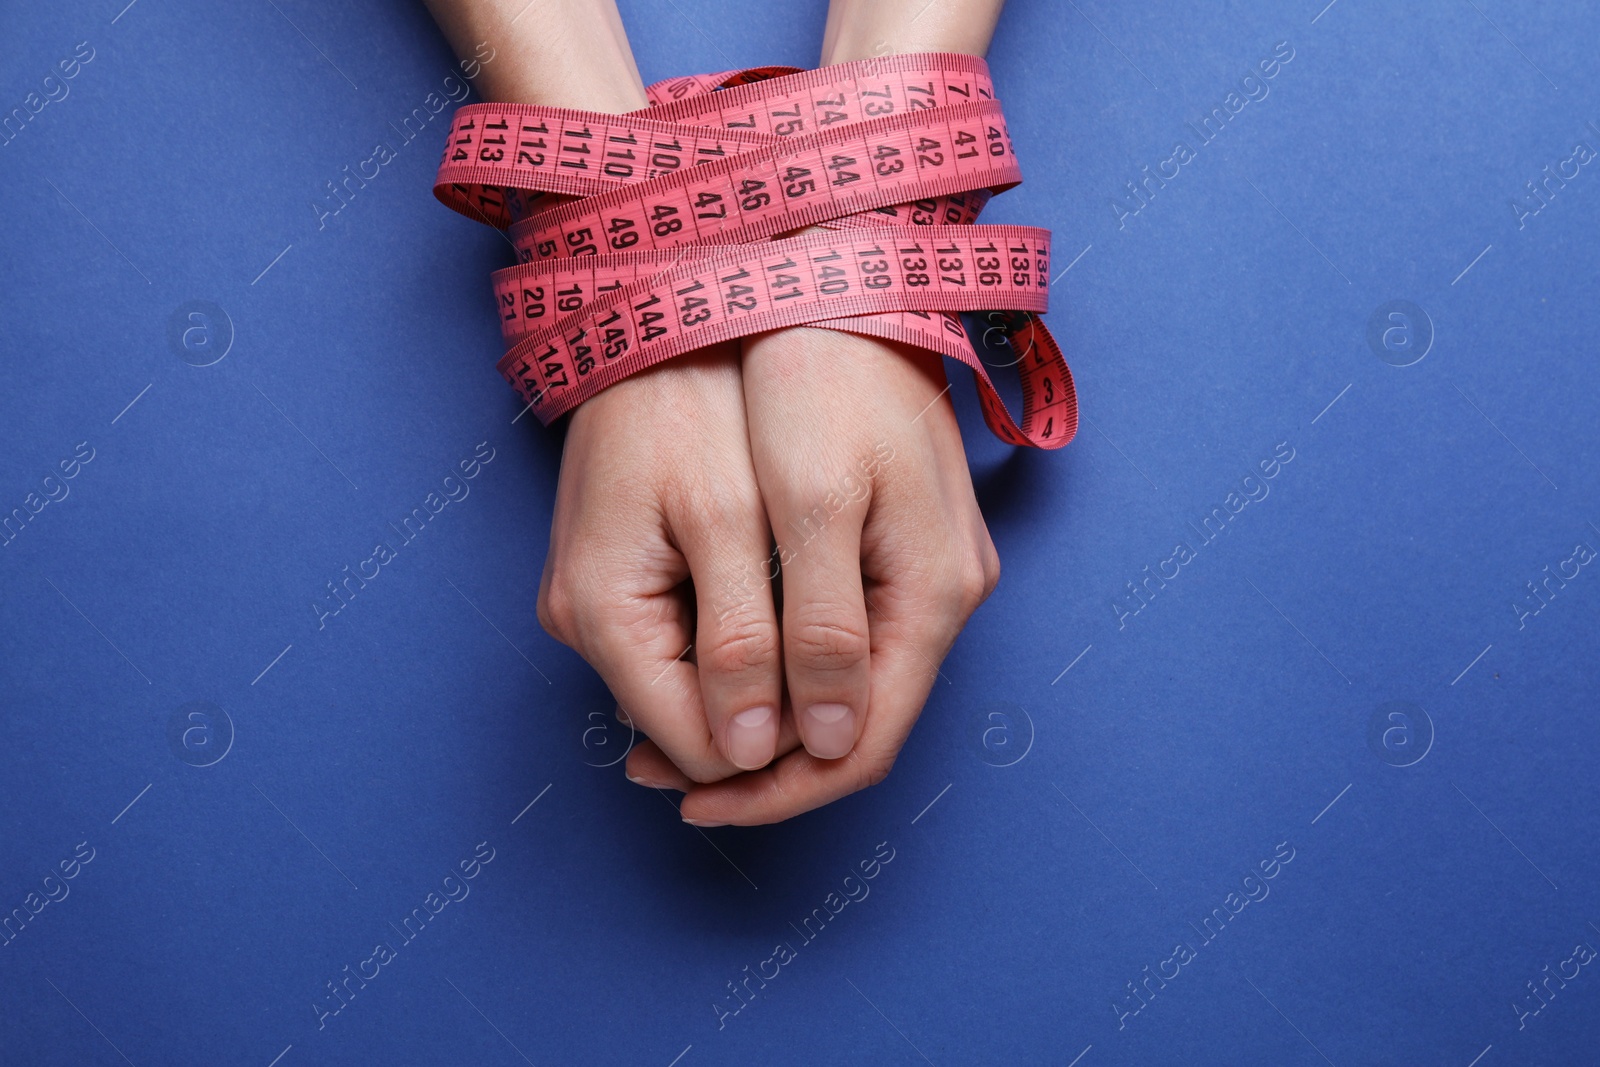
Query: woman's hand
{"x": 884, "y": 555}
{"x": 657, "y": 567}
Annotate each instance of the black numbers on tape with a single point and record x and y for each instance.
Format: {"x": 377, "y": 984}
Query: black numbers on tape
{"x": 648, "y": 321}
{"x": 623, "y": 233}
{"x": 874, "y": 271}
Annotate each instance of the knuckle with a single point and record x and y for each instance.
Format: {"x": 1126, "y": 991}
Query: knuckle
{"x": 563, "y": 604}
{"x": 974, "y": 585}
{"x": 715, "y": 500}
{"x": 991, "y": 569}
{"x": 742, "y": 647}
{"x": 826, "y": 643}
{"x": 967, "y": 581}
{"x": 556, "y": 610}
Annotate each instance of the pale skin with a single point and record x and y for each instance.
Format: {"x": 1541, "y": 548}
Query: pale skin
{"x": 680, "y": 483}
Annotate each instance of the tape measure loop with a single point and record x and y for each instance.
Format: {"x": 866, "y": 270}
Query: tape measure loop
{"x": 648, "y": 235}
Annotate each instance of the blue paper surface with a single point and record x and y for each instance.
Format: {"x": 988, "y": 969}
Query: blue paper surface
{"x": 1319, "y": 788}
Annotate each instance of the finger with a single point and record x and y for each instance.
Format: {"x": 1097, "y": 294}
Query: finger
{"x": 639, "y": 647}
{"x": 648, "y": 766}
{"x": 802, "y": 441}
{"x": 737, "y": 648}
{"x": 826, "y": 640}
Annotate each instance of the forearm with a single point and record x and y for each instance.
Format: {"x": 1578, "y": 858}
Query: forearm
{"x": 559, "y": 53}
{"x": 862, "y": 29}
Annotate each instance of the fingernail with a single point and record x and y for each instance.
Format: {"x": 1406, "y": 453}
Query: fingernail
{"x": 753, "y": 737}
{"x": 830, "y": 730}
{"x": 647, "y": 783}
{"x": 622, "y": 716}
{"x": 703, "y": 822}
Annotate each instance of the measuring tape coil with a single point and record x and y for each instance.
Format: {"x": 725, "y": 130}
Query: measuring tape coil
{"x": 647, "y": 235}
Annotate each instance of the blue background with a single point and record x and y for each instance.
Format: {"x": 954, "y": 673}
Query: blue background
{"x": 1082, "y": 821}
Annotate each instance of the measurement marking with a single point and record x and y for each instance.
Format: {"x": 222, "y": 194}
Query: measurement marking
{"x": 680, "y": 1056}
{"x": 97, "y": 229}
{"x": 1332, "y": 402}
{"x": 302, "y": 833}
{"x": 302, "y": 433}
{"x": 131, "y": 803}
{"x": 313, "y": 44}
{"x": 490, "y": 1021}
{"x": 1502, "y": 833}
{"x": 1513, "y": 44}
{"x": 710, "y": 842}
{"x": 1286, "y": 1019}
{"x": 280, "y": 1056}
{"x": 1508, "y": 440}
{"x": 1473, "y": 664}
{"x": 1474, "y": 263}
{"x": 886, "y": 1019}
{"x": 1119, "y": 451}
{"x": 675, "y": 659}
{"x": 1331, "y": 803}
{"x": 930, "y": 404}
{"x": 931, "y": 803}
{"x": 1114, "y": 47}
{"x": 1481, "y": 1055}
{"x": 1102, "y": 833}
{"x": 273, "y": 664}
{"x": 1074, "y": 263}
{"x": 501, "y": 632}
{"x": 134, "y": 401}
{"x": 1071, "y": 665}
{"x": 274, "y": 263}
{"x": 531, "y": 803}
{"x": 99, "y": 631}
{"x": 1085, "y": 1052}
{"x": 121, "y": 13}
{"x": 1324, "y": 11}
{"x": 1297, "y": 630}
{"x": 86, "y": 1019}
{"x": 1298, "y": 230}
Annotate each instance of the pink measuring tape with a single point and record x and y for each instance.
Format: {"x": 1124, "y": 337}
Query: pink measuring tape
{"x": 647, "y": 235}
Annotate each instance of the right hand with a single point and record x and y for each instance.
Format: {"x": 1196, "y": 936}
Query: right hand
{"x": 660, "y": 545}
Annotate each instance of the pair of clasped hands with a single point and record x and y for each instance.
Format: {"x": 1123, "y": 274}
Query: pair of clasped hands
{"x": 765, "y": 548}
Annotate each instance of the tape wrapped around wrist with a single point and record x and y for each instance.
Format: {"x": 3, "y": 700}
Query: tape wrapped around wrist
{"x": 647, "y": 235}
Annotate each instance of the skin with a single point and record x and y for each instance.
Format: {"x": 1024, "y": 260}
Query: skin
{"x": 684, "y": 489}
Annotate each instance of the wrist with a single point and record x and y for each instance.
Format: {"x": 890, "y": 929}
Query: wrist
{"x": 600, "y": 80}
{"x": 868, "y": 29}
{"x": 556, "y": 53}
